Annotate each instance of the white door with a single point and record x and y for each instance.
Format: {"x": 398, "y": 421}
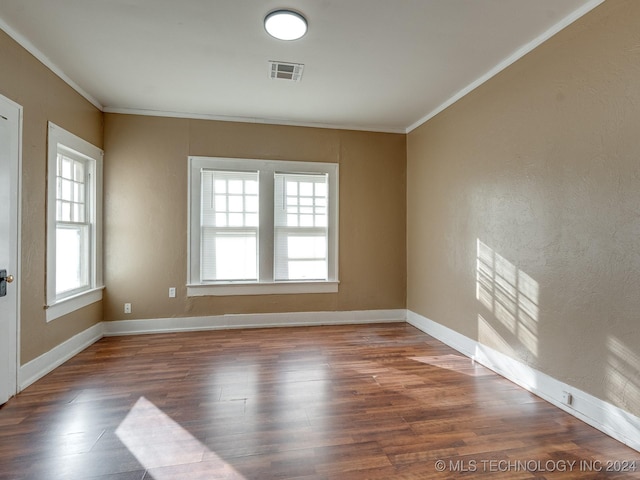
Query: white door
{"x": 10, "y": 125}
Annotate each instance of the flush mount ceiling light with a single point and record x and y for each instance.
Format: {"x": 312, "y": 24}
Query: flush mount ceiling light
{"x": 285, "y": 25}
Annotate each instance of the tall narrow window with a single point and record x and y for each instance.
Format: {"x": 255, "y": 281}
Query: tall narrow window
{"x": 262, "y": 227}
{"x": 73, "y": 228}
{"x": 301, "y": 229}
{"x": 74, "y": 239}
{"x": 229, "y": 228}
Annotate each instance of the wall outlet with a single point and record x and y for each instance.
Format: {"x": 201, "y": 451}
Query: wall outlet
{"x": 567, "y": 399}
{"x": 127, "y": 308}
{"x": 172, "y": 292}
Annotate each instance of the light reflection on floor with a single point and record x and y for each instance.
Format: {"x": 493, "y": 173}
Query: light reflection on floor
{"x": 166, "y": 449}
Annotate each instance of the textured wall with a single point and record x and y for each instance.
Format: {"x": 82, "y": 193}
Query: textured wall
{"x": 524, "y": 209}
{"x": 146, "y": 213}
{"x": 44, "y": 97}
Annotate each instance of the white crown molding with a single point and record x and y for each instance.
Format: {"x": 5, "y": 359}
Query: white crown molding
{"x": 569, "y": 19}
{"x": 514, "y": 57}
{"x": 29, "y": 47}
{"x": 258, "y": 120}
{"x": 609, "y": 419}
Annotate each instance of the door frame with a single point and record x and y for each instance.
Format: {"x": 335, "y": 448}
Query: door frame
{"x": 15, "y": 222}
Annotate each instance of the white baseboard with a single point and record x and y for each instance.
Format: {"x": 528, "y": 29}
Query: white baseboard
{"x": 37, "y": 368}
{"x": 45, "y": 363}
{"x": 256, "y": 320}
{"x": 613, "y": 421}
{"x": 602, "y": 415}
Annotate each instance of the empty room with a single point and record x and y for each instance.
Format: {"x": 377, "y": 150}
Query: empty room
{"x": 319, "y": 240}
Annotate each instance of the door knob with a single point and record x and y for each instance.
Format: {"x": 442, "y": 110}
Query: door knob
{"x": 4, "y": 279}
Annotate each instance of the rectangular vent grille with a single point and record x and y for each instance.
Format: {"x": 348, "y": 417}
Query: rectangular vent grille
{"x": 286, "y": 71}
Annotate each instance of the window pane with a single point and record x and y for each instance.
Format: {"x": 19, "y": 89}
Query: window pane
{"x": 222, "y": 193}
{"x": 307, "y": 247}
{"x": 78, "y": 192}
{"x": 321, "y": 221}
{"x": 78, "y": 173}
{"x": 221, "y": 203}
{"x": 221, "y": 220}
{"x": 64, "y": 211}
{"x": 72, "y": 258}
{"x": 251, "y": 187}
{"x": 307, "y": 270}
{"x": 235, "y": 186}
{"x": 67, "y": 190}
{"x": 228, "y": 256}
{"x": 65, "y": 171}
{"x": 236, "y": 258}
{"x": 251, "y": 204}
{"x": 301, "y": 237}
{"x": 220, "y": 186}
{"x": 236, "y": 220}
{"x": 78, "y": 212}
{"x": 235, "y": 203}
{"x": 306, "y": 189}
{"x": 251, "y": 220}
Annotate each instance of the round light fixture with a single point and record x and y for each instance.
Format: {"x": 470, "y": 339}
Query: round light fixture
{"x": 285, "y": 25}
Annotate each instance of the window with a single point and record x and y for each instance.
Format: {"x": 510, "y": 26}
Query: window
{"x": 229, "y": 228}
{"x": 74, "y": 203}
{"x": 262, "y": 227}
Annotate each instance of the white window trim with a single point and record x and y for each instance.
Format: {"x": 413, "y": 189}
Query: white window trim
{"x": 56, "y": 308}
{"x": 266, "y": 285}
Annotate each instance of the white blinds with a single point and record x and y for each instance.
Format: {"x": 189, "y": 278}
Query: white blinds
{"x": 229, "y": 226}
{"x": 300, "y": 226}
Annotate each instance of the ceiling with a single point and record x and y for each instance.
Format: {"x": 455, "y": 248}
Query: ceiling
{"x": 383, "y": 65}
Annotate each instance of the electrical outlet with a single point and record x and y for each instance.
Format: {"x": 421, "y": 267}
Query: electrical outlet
{"x": 127, "y": 308}
{"x": 172, "y": 292}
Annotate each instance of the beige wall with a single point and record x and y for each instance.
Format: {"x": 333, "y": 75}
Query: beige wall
{"x": 44, "y": 97}
{"x": 146, "y": 213}
{"x": 542, "y": 165}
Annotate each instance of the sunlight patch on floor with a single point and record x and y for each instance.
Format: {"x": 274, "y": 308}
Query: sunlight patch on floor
{"x": 165, "y": 448}
{"x": 456, "y": 363}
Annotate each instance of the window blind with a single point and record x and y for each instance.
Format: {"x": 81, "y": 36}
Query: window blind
{"x": 229, "y": 226}
{"x": 300, "y": 226}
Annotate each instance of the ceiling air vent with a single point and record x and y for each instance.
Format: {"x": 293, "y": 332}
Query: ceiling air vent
{"x": 286, "y": 71}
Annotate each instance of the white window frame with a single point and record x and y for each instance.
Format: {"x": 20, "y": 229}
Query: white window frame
{"x": 62, "y": 141}
{"x": 266, "y": 284}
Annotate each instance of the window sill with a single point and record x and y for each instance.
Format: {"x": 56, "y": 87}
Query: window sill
{"x": 276, "y": 288}
{"x": 71, "y": 304}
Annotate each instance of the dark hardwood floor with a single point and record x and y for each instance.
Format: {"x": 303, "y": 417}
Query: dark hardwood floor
{"x": 346, "y": 402}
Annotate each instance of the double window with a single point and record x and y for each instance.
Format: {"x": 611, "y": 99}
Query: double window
{"x": 259, "y": 227}
{"x": 74, "y": 199}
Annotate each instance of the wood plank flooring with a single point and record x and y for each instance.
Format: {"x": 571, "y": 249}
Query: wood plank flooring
{"x": 340, "y": 402}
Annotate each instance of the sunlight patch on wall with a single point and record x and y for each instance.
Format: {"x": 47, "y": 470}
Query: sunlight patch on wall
{"x": 163, "y": 446}
{"x": 623, "y": 377}
{"x": 509, "y": 294}
{"x": 488, "y": 335}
